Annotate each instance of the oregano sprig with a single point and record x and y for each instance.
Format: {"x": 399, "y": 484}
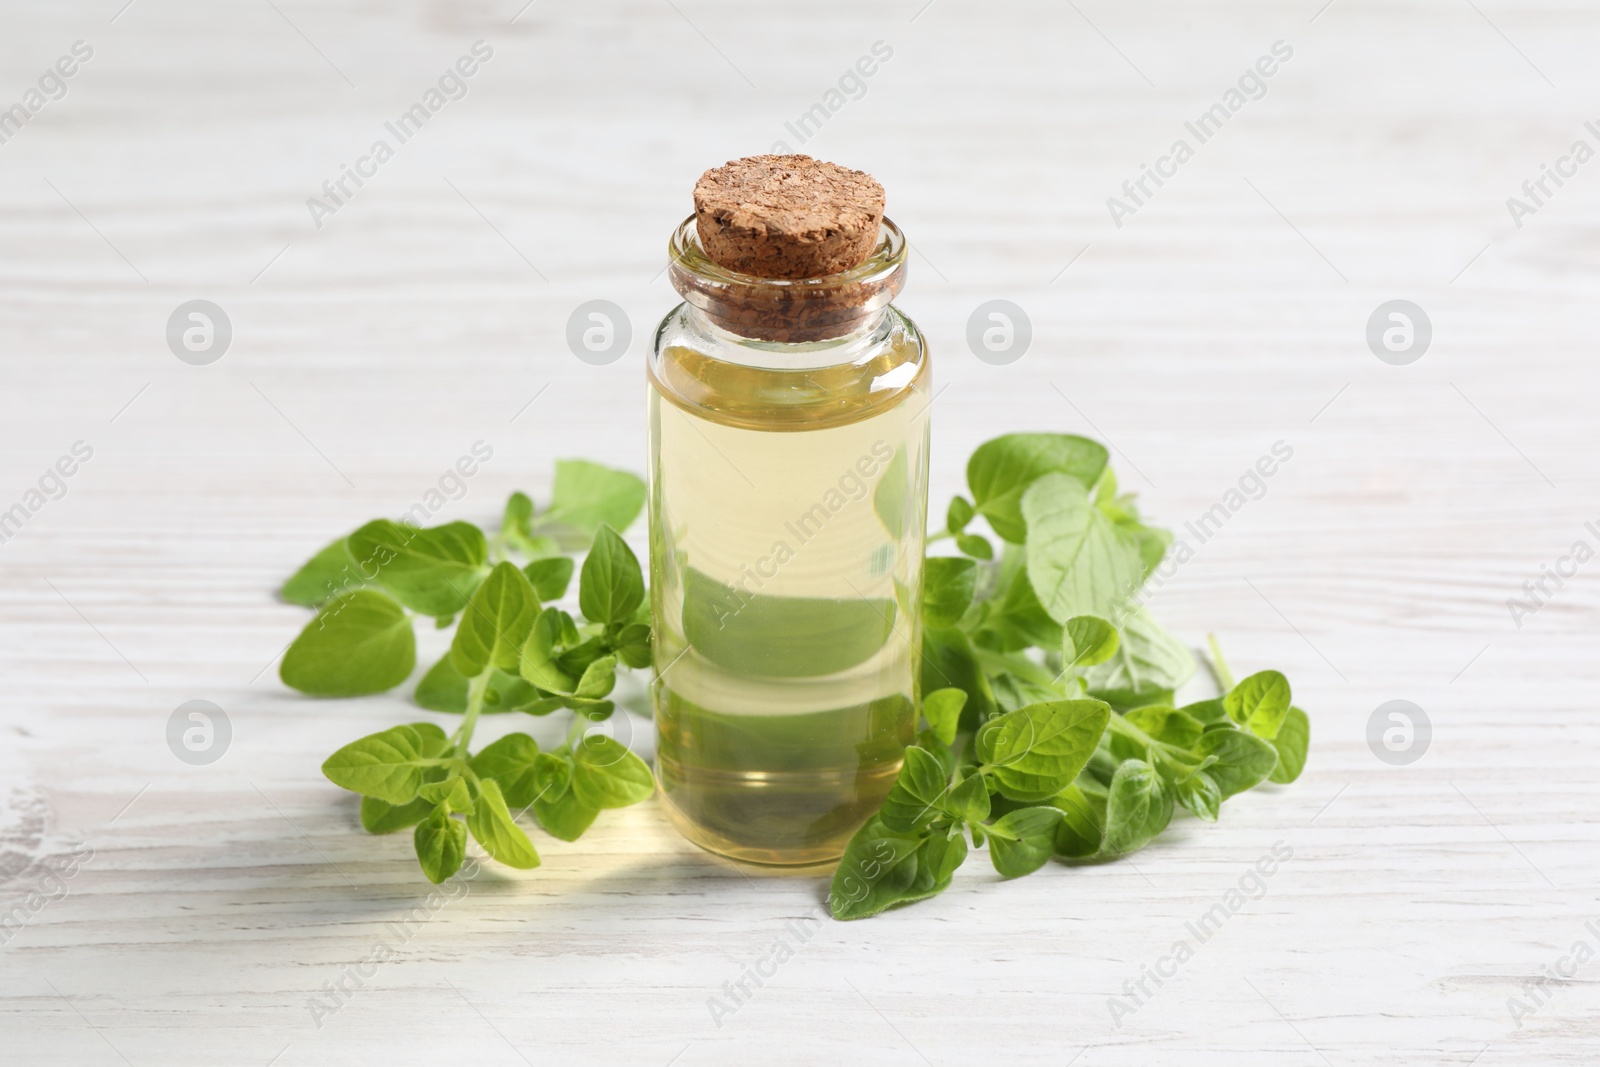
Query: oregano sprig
{"x": 1050, "y": 725}
{"x": 511, "y": 650}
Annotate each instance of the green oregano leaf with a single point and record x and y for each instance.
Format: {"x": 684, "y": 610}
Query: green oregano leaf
{"x": 598, "y": 678}
{"x": 1089, "y": 641}
{"x": 443, "y": 688}
{"x": 606, "y": 775}
{"x": 1037, "y": 751}
{"x": 1259, "y": 703}
{"x": 433, "y": 571}
{"x": 390, "y": 765}
{"x": 1206, "y": 712}
{"x": 633, "y": 645}
{"x": 1201, "y": 795}
{"x": 611, "y": 586}
{"x": 1294, "y": 737}
{"x": 913, "y": 801}
{"x": 516, "y": 524}
{"x": 1147, "y": 667}
{"x": 382, "y": 817}
{"x": 513, "y": 762}
{"x": 1001, "y": 470}
{"x": 1138, "y": 807}
{"x": 942, "y": 709}
{"x": 949, "y": 660}
{"x": 588, "y": 495}
{"x": 450, "y": 792}
{"x": 1021, "y": 841}
{"x": 948, "y": 583}
{"x": 1083, "y": 820}
{"x": 493, "y": 828}
{"x": 1167, "y": 725}
{"x": 878, "y": 870}
{"x": 495, "y": 624}
{"x": 565, "y": 816}
{"x": 1243, "y": 760}
{"x": 538, "y": 661}
{"x": 325, "y": 575}
{"x": 939, "y": 855}
{"x": 975, "y": 545}
{"x": 360, "y": 642}
{"x": 1078, "y": 561}
{"x": 959, "y": 514}
{"x": 550, "y": 576}
{"x": 441, "y": 844}
{"x": 968, "y": 800}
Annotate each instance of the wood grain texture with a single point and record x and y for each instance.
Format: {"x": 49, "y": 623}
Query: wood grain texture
{"x": 1227, "y": 314}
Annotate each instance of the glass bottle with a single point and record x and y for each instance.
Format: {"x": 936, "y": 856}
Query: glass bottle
{"x": 788, "y": 508}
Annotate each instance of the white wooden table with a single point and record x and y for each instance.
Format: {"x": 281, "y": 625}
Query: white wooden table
{"x": 214, "y": 907}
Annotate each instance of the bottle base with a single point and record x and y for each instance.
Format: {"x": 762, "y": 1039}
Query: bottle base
{"x": 775, "y": 860}
{"x": 763, "y": 820}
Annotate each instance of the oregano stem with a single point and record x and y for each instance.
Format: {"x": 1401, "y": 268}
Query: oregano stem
{"x": 575, "y": 729}
{"x": 1120, "y": 725}
{"x": 475, "y": 690}
{"x": 1219, "y": 666}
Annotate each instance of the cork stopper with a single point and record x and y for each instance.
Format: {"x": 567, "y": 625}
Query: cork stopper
{"x": 787, "y": 216}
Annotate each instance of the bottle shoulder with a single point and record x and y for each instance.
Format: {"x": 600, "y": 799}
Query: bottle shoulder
{"x": 787, "y": 387}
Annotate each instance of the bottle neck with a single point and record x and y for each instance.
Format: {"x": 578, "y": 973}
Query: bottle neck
{"x": 861, "y": 340}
